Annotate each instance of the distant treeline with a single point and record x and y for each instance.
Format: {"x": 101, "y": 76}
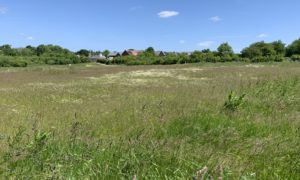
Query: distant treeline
{"x": 275, "y": 51}
{"x": 257, "y": 52}
{"x": 43, "y": 54}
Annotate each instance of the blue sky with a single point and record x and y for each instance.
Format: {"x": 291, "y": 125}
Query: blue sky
{"x": 172, "y": 25}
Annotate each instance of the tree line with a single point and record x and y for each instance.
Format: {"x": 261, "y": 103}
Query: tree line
{"x": 275, "y": 51}
{"x": 42, "y": 54}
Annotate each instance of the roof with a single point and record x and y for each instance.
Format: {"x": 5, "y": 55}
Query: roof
{"x": 132, "y": 52}
{"x": 115, "y": 53}
{"x": 158, "y": 53}
{"x": 100, "y": 56}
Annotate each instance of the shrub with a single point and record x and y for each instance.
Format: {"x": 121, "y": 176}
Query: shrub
{"x": 296, "y": 57}
{"x": 233, "y": 101}
{"x": 8, "y": 61}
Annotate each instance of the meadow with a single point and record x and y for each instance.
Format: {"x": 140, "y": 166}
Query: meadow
{"x": 202, "y": 121}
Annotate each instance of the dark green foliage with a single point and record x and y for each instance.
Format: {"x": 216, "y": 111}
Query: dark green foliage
{"x": 149, "y": 52}
{"x": 8, "y": 61}
{"x": 295, "y": 57}
{"x": 83, "y": 52}
{"x": 294, "y": 48}
{"x": 258, "y": 49}
{"x": 8, "y": 51}
{"x": 105, "y": 53}
{"x": 43, "y": 54}
{"x": 279, "y": 47}
{"x": 274, "y": 58}
{"x": 225, "y": 50}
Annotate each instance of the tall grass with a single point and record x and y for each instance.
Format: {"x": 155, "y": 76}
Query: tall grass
{"x": 171, "y": 123}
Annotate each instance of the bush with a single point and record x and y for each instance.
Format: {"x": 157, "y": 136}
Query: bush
{"x": 61, "y": 59}
{"x": 233, "y": 101}
{"x": 7, "y": 61}
{"x": 102, "y": 61}
{"x": 296, "y": 57}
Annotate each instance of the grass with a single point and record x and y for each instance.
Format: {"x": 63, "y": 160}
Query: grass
{"x": 150, "y": 122}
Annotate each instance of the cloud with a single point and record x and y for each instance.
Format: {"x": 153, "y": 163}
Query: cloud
{"x": 30, "y": 38}
{"x": 168, "y": 14}
{"x": 262, "y": 35}
{"x": 23, "y": 35}
{"x": 215, "y": 19}
{"x": 182, "y": 41}
{"x": 3, "y": 10}
{"x": 205, "y": 44}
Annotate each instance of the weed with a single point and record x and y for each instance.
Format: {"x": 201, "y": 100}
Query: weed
{"x": 234, "y": 101}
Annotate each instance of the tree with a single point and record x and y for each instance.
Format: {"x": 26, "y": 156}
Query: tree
{"x": 149, "y": 51}
{"x": 106, "y": 53}
{"x": 206, "y": 51}
{"x": 32, "y": 49}
{"x": 251, "y": 52}
{"x": 279, "y": 47}
{"x": 225, "y": 50}
{"x": 41, "y": 49}
{"x": 293, "y": 48}
{"x": 268, "y": 50}
{"x": 259, "y": 49}
{"x": 8, "y": 51}
{"x": 26, "y": 52}
{"x": 83, "y": 53}
{"x": 196, "y": 56}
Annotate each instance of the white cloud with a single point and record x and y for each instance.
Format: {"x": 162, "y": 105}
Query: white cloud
{"x": 205, "y": 44}
{"x": 30, "y": 38}
{"x": 23, "y": 35}
{"x": 262, "y": 35}
{"x": 182, "y": 41}
{"x": 3, "y": 10}
{"x": 167, "y": 14}
{"x": 215, "y": 19}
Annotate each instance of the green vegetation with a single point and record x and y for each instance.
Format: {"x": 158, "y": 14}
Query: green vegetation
{"x": 255, "y": 53}
{"x": 89, "y": 121}
{"x": 43, "y": 54}
{"x": 51, "y": 54}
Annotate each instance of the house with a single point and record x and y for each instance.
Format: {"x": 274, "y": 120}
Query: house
{"x": 113, "y": 55}
{"x": 160, "y": 53}
{"x": 97, "y": 57}
{"x": 131, "y": 52}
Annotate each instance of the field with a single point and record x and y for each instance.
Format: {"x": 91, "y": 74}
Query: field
{"x": 90, "y": 121}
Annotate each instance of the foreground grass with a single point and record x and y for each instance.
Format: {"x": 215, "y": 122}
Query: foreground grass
{"x": 151, "y": 122}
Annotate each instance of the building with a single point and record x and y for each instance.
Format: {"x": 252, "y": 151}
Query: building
{"x": 160, "y": 53}
{"x": 113, "y": 55}
{"x": 97, "y": 57}
{"x": 131, "y": 52}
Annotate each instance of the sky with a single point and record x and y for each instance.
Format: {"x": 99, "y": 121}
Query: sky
{"x": 169, "y": 25}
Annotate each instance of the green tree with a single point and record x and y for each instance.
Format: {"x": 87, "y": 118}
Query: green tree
{"x": 206, "y": 51}
{"x": 268, "y": 50}
{"x": 106, "y": 53}
{"x": 8, "y": 50}
{"x": 83, "y": 53}
{"x": 149, "y": 51}
{"x": 259, "y": 49}
{"x": 293, "y": 48}
{"x": 225, "y": 50}
{"x": 279, "y": 47}
{"x": 41, "y": 49}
